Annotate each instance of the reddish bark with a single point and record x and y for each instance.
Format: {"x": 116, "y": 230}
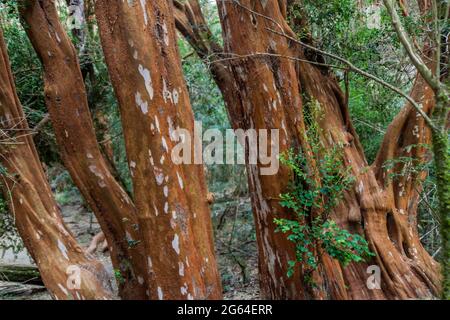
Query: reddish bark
{"x": 263, "y": 89}
{"x": 67, "y": 103}
{"x": 268, "y": 94}
{"x": 139, "y": 43}
{"x": 37, "y": 217}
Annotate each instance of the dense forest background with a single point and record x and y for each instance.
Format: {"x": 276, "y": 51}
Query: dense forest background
{"x": 359, "y": 31}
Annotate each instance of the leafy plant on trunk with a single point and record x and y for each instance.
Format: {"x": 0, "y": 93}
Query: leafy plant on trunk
{"x": 312, "y": 203}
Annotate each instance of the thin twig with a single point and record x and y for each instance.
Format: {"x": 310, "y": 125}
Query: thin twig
{"x": 267, "y": 54}
{"x": 353, "y": 68}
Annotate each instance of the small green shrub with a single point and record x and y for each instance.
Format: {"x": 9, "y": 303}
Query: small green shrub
{"x": 312, "y": 202}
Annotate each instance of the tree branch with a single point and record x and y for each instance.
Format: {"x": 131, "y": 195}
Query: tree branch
{"x": 417, "y": 61}
{"x": 352, "y": 67}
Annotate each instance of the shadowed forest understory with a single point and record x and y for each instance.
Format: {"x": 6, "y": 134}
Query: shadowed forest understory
{"x": 237, "y": 150}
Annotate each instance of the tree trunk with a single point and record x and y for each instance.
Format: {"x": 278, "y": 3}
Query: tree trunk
{"x": 139, "y": 43}
{"x": 268, "y": 95}
{"x": 66, "y": 101}
{"x": 80, "y": 31}
{"x": 442, "y": 164}
{"x": 38, "y": 219}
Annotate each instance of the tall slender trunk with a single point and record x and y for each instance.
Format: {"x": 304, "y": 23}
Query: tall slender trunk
{"x": 140, "y": 47}
{"x": 67, "y": 104}
{"x": 66, "y": 270}
{"x": 441, "y": 150}
{"x": 81, "y": 30}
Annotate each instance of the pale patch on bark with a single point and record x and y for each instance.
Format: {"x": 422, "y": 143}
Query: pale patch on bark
{"x": 143, "y": 105}
{"x": 176, "y": 244}
{"x": 145, "y": 73}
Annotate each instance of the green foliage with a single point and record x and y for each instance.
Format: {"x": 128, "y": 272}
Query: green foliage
{"x": 307, "y": 232}
{"x": 341, "y": 27}
{"x": 132, "y": 243}
{"x": 27, "y": 71}
{"x": 341, "y": 244}
{"x": 312, "y": 202}
{"x": 119, "y": 277}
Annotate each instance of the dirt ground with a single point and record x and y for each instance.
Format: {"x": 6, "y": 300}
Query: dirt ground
{"x": 235, "y": 247}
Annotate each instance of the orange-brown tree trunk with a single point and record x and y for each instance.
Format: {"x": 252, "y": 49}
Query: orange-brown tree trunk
{"x": 66, "y": 270}
{"x": 67, "y": 103}
{"x": 371, "y": 208}
{"x": 269, "y": 93}
{"x": 140, "y": 47}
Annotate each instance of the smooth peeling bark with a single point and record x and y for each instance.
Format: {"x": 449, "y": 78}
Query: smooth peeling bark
{"x": 396, "y": 144}
{"x": 82, "y": 21}
{"x": 369, "y": 209}
{"x": 269, "y": 99}
{"x": 373, "y": 209}
{"x": 67, "y": 104}
{"x": 232, "y": 82}
{"x": 37, "y": 217}
{"x": 139, "y": 43}
{"x": 407, "y": 137}
{"x": 387, "y": 206}
{"x": 247, "y": 100}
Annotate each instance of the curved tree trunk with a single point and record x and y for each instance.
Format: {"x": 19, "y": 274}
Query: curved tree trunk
{"x": 139, "y": 43}
{"x": 66, "y": 101}
{"x": 37, "y": 217}
{"x": 268, "y": 94}
{"x": 407, "y": 270}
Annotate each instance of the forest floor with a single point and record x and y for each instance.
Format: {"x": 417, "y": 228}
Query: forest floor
{"x": 235, "y": 248}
